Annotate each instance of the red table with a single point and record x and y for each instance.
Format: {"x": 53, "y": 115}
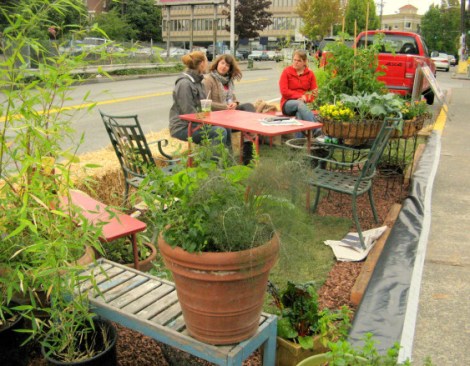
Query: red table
{"x": 115, "y": 226}
{"x": 248, "y": 123}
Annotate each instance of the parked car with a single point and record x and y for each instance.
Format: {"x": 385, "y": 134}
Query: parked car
{"x": 259, "y": 56}
{"x": 441, "y": 60}
{"x": 275, "y": 56}
{"x": 452, "y": 60}
{"x": 174, "y": 52}
{"x": 238, "y": 55}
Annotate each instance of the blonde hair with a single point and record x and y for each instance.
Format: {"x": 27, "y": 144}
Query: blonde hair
{"x": 193, "y": 59}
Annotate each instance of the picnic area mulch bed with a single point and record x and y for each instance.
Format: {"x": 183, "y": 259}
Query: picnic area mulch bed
{"x": 135, "y": 349}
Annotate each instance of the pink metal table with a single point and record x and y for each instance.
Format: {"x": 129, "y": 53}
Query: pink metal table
{"x": 249, "y": 124}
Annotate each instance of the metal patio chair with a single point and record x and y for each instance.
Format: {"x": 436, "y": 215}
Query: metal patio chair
{"x": 352, "y": 178}
{"x": 132, "y": 149}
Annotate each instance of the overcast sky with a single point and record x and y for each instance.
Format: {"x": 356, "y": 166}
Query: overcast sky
{"x": 392, "y": 6}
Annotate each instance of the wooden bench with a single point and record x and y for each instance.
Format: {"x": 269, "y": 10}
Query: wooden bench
{"x": 149, "y": 305}
{"x": 115, "y": 224}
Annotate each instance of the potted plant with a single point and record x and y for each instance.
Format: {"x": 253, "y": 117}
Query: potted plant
{"x": 358, "y": 118}
{"x": 120, "y": 251}
{"x": 302, "y": 329}
{"x": 218, "y": 239}
{"x": 415, "y": 114}
{"x": 40, "y": 239}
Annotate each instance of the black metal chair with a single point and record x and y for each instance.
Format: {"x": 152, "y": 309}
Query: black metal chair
{"x": 132, "y": 150}
{"x": 352, "y": 178}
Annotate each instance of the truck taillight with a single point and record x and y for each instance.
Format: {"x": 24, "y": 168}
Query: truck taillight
{"x": 410, "y": 68}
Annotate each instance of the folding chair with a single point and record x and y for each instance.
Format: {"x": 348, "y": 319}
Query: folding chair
{"x": 133, "y": 151}
{"x": 352, "y": 178}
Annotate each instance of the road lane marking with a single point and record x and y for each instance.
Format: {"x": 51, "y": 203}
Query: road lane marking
{"x": 119, "y": 100}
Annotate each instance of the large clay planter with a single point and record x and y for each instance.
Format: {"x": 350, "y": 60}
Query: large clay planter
{"x": 290, "y": 354}
{"x": 221, "y": 294}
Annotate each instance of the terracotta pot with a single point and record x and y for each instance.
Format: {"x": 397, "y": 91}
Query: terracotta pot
{"x": 221, "y": 294}
{"x": 290, "y": 354}
{"x": 146, "y": 265}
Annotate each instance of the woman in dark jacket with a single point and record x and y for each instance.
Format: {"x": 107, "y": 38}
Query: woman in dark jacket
{"x": 187, "y": 97}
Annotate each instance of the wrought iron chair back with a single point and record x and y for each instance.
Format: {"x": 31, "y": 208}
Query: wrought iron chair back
{"x": 132, "y": 149}
{"x": 343, "y": 181}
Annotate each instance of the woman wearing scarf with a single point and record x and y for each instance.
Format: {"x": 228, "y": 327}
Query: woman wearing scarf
{"x": 187, "y": 97}
{"x": 219, "y": 86}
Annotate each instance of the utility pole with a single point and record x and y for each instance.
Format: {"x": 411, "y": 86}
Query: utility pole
{"x": 463, "y": 42}
{"x": 381, "y": 5}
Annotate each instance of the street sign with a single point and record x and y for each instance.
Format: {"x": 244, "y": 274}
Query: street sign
{"x": 428, "y": 74}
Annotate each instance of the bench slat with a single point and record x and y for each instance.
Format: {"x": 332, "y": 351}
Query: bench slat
{"x": 134, "y": 294}
{"x": 148, "y": 299}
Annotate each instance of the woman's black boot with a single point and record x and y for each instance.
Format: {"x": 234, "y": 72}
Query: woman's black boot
{"x": 247, "y": 152}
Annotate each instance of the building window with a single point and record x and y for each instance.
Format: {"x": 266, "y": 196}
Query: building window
{"x": 408, "y": 25}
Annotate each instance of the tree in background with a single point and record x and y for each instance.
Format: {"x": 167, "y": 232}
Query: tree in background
{"x": 67, "y": 17}
{"x": 318, "y": 16}
{"x": 440, "y": 26}
{"x": 144, "y": 17}
{"x": 251, "y": 17}
{"x": 115, "y": 26}
{"x": 356, "y": 10}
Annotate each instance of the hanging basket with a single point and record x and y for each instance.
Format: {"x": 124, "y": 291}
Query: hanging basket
{"x": 355, "y": 132}
{"x": 411, "y": 127}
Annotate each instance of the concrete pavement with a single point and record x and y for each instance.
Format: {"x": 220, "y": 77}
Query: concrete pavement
{"x": 443, "y": 320}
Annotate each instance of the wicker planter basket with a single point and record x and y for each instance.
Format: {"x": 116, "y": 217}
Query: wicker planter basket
{"x": 357, "y": 132}
{"x": 354, "y": 132}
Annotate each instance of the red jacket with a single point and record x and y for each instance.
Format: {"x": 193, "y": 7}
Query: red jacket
{"x": 293, "y": 86}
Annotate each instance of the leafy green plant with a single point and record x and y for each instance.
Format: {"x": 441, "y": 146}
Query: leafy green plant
{"x": 300, "y": 320}
{"x": 349, "y": 71}
{"x": 216, "y": 205}
{"x": 342, "y": 353}
{"x": 120, "y": 250}
{"x": 40, "y": 241}
{"x": 413, "y": 109}
{"x": 374, "y": 105}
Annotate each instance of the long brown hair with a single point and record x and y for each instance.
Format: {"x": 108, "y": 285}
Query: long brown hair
{"x": 193, "y": 60}
{"x": 234, "y": 71}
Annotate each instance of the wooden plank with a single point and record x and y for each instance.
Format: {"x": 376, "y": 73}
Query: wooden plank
{"x": 135, "y": 294}
{"x": 412, "y": 167}
{"x": 158, "y": 306}
{"x": 168, "y": 314}
{"x": 102, "y": 277}
{"x": 177, "y": 324}
{"x": 118, "y": 285}
{"x": 149, "y": 298}
{"x": 368, "y": 268}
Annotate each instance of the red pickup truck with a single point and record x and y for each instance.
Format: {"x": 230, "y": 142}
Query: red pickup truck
{"x": 399, "y": 58}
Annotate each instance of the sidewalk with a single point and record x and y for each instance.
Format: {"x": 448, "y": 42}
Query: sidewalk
{"x": 443, "y": 321}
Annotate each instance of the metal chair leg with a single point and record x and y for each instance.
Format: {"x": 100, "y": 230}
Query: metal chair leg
{"x": 356, "y": 221}
{"x": 317, "y": 200}
{"x": 374, "y": 211}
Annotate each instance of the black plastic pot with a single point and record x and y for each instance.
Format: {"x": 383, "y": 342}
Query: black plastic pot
{"x": 105, "y": 358}
{"x": 9, "y": 337}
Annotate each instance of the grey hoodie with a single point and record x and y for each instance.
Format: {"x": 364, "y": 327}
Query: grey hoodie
{"x": 186, "y": 98}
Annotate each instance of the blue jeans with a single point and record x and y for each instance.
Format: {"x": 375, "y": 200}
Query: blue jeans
{"x": 300, "y": 110}
{"x": 214, "y": 133}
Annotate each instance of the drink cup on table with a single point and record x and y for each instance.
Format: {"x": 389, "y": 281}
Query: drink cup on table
{"x": 206, "y": 107}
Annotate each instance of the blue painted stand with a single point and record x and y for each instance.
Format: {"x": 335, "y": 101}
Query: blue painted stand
{"x": 150, "y": 306}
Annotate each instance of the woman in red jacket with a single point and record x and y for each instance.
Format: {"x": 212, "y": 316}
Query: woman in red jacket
{"x": 298, "y": 86}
